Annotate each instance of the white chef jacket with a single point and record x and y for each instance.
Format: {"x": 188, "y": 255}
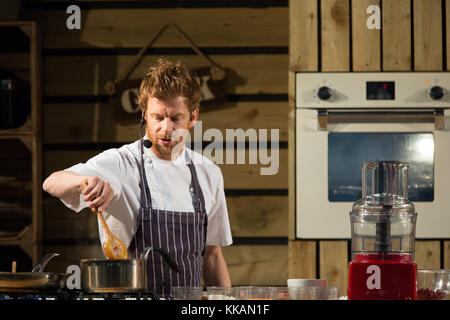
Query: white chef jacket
{"x": 169, "y": 184}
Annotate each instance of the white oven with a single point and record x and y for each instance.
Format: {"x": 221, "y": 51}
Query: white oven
{"x": 343, "y": 119}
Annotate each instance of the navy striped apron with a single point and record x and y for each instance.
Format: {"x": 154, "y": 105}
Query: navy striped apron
{"x": 182, "y": 234}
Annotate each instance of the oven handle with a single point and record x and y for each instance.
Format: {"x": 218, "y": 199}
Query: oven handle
{"x": 435, "y": 116}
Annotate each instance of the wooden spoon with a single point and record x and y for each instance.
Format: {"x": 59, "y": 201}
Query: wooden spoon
{"x": 113, "y": 247}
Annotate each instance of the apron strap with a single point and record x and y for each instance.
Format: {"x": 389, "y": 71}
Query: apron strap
{"x": 199, "y": 200}
{"x": 145, "y": 190}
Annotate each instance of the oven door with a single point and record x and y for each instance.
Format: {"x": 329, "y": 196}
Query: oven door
{"x": 328, "y": 166}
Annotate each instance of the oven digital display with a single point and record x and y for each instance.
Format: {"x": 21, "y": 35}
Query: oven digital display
{"x": 347, "y": 150}
{"x": 380, "y": 90}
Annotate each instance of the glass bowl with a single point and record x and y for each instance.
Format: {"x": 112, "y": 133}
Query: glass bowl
{"x": 187, "y": 293}
{"x": 433, "y": 284}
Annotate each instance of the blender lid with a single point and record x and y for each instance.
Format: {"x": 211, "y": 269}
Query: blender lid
{"x": 384, "y": 189}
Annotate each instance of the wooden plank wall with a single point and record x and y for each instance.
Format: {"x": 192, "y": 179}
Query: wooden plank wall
{"x": 251, "y": 42}
{"x": 331, "y": 35}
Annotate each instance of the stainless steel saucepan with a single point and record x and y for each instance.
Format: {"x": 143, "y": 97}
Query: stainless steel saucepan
{"x": 124, "y": 275}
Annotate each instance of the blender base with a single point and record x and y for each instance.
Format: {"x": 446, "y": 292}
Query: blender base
{"x": 371, "y": 279}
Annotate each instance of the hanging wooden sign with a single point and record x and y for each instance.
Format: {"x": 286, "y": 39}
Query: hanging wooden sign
{"x": 123, "y": 92}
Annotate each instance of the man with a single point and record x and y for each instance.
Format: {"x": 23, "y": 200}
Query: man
{"x": 158, "y": 196}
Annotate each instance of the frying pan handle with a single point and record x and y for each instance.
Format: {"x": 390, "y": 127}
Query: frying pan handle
{"x": 41, "y": 265}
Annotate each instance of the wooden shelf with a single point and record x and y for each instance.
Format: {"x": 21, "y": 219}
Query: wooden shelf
{"x": 30, "y": 238}
{"x": 16, "y": 243}
{"x": 16, "y": 133}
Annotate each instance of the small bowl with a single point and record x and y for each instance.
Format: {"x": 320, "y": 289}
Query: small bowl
{"x": 187, "y": 293}
{"x": 433, "y": 284}
{"x": 220, "y": 293}
{"x": 252, "y": 293}
{"x": 306, "y": 283}
{"x": 314, "y": 293}
{"x": 280, "y": 293}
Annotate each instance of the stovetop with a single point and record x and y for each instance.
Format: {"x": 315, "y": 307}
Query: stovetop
{"x": 66, "y": 294}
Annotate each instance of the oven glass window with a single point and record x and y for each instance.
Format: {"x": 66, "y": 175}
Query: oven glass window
{"x": 346, "y": 152}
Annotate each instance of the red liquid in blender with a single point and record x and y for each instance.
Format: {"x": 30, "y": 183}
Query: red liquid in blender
{"x": 382, "y": 277}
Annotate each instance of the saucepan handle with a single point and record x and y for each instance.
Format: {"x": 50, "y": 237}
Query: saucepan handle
{"x": 168, "y": 258}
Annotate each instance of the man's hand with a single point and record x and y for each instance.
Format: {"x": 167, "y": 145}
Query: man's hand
{"x": 98, "y": 192}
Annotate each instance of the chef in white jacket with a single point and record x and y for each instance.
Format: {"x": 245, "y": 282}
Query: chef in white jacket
{"x": 164, "y": 196}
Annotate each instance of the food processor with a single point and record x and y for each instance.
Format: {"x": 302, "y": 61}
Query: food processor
{"x": 383, "y": 224}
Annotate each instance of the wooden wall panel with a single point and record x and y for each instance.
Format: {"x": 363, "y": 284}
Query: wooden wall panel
{"x": 365, "y": 42}
{"x": 335, "y": 17}
{"x": 428, "y": 254}
{"x": 396, "y": 29}
{"x": 391, "y": 49}
{"x": 247, "y": 264}
{"x": 207, "y": 27}
{"x": 447, "y": 31}
{"x": 62, "y": 223}
{"x": 236, "y": 176}
{"x": 428, "y": 55}
{"x": 86, "y": 123}
{"x": 257, "y": 264}
{"x": 258, "y": 216}
{"x": 250, "y": 42}
{"x": 302, "y": 259}
{"x": 261, "y": 73}
{"x": 244, "y": 27}
{"x": 291, "y": 157}
{"x": 334, "y": 264}
{"x": 303, "y": 37}
{"x": 250, "y": 216}
{"x": 427, "y": 35}
{"x": 17, "y": 61}
{"x": 303, "y": 56}
{"x": 446, "y": 255}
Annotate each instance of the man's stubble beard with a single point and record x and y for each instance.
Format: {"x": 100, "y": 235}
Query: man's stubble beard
{"x": 173, "y": 150}
{"x": 165, "y": 150}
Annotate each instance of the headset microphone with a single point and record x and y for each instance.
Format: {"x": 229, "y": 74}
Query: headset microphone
{"x": 147, "y": 143}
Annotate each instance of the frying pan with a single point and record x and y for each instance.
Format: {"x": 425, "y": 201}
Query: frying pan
{"x": 35, "y": 281}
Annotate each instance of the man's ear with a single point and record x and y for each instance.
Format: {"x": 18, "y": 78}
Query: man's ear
{"x": 193, "y": 118}
{"x": 142, "y": 121}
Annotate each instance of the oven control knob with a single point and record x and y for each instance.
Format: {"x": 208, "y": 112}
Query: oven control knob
{"x": 436, "y": 93}
{"x": 324, "y": 93}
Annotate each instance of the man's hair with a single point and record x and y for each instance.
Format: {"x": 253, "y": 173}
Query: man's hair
{"x": 167, "y": 80}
